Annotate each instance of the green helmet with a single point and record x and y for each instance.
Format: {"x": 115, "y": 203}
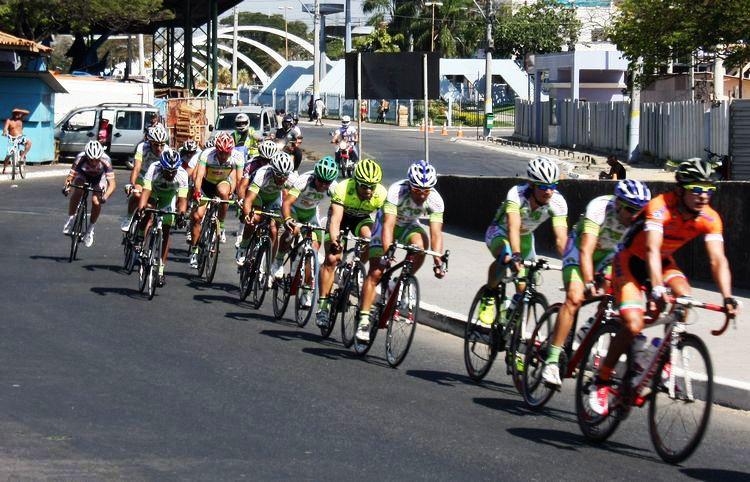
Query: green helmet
{"x": 326, "y": 169}
{"x": 367, "y": 171}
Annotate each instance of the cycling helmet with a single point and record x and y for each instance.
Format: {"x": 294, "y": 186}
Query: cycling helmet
{"x": 190, "y": 145}
{"x": 242, "y": 122}
{"x": 93, "y": 150}
{"x": 345, "y": 121}
{"x": 268, "y": 149}
{"x": 224, "y": 143}
{"x": 287, "y": 119}
{"x": 157, "y": 134}
{"x": 543, "y": 170}
{"x": 422, "y": 174}
{"x": 694, "y": 170}
{"x": 295, "y": 118}
{"x": 210, "y": 142}
{"x": 634, "y": 193}
{"x": 367, "y": 171}
{"x": 282, "y": 164}
{"x": 170, "y": 159}
{"x": 326, "y": 169}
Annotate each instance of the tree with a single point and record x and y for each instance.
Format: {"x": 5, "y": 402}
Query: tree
{"x": 378, "y": 41}
{"x": 381, "y": 10}
{"x": 660, "y": 31}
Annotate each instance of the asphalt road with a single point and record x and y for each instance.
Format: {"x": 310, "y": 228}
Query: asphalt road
{"x": 97, "y": 383}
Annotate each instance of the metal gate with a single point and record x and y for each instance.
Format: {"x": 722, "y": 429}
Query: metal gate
{"x": 739, "y": 139}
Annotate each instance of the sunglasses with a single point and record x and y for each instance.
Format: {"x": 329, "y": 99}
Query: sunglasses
{"x": 547, "y": 187}
{"x": 158, "y": 144}
{"x": 697, "y": 189}
{"x": 367, "y": 187}
{"x": 421, "y": 190}
{"x": 629, "y": 208}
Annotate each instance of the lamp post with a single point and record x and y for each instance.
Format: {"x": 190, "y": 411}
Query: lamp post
{"x": 432, "y": 37}
{"x": 286, "y": 33}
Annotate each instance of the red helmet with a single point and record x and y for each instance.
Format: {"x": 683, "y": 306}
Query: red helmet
{"x": 224, "y": 143}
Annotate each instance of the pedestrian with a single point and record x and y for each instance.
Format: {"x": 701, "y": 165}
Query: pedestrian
{"x": 616, "y": 169}
{"x": 319, "y": 107}
{"x": 383, "y": 108}
{"x": 311, "y": 108}
{"x": 363, "y": 111}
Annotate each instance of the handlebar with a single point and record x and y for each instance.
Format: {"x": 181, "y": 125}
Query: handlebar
{"x": 85, "y": 187}
{"x": 411, "y": 249}
{"x": 688, "y": 302}
{"x": 217, "y": 200}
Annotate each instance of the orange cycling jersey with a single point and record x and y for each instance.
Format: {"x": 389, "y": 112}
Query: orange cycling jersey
{"x": 662, "y": 214}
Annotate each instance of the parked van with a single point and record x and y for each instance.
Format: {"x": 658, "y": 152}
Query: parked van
{"x": 262, "y": 119}
{"x": 119, "y": 127}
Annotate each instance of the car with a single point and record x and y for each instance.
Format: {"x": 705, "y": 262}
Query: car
{"x": 118, "y": 126}
{"x": 262, "y": 119}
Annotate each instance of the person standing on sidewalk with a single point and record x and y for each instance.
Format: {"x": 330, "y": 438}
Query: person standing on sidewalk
{"x": 319, "y": 108}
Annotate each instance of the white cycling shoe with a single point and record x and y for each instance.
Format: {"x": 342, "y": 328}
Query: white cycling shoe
{"x": 551, "y": 375}
{"x": 363, "y": 332}
{"x": 88, "y": 238}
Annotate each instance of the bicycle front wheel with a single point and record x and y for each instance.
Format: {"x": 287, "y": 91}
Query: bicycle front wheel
{"x": 307, "y": 289}
{"x": 681, "y": 401}
{"x": 535, "y": 393}
{"x": 153, "y": 264}
{"x": 13, "y": 165}
{"x": 403, "y": 322}
{"x": 144, "y": 265}
{"x": 282, "y": 287}
{"x": 480, "y": 342}
{"x": 525, "y": 321}
{"x": 77, "y": 232}
{"x": 261, "y": 274}
{"x": 350, "y": 304}
{"x": 212, "y": 254}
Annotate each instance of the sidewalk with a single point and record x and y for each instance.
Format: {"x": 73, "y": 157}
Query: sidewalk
{"x": 445, "y": 305}
{"x": 35, "y": 171}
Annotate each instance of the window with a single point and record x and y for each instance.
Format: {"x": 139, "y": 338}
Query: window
{"x": 130, "y": 120}
{"x": 83, "y": 120}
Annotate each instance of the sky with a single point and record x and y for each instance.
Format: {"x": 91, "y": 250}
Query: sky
{"x": 270, "y": 7}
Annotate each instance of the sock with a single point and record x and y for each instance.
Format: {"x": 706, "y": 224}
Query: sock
{"x": 91, "y": 227}
{"x": 194, "y": 249}
{"x": 364, "y": 316}
{"x": 554, "y": 355}
{"x": 323, "y": 303}
{"x": 221, "y": 224}
{"x": 161, "y": 269}
{"x": 71, "y": 217}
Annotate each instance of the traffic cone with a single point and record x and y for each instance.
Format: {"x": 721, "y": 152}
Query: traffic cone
{"x": 460, "y": 131}
{"x": 444, "y": 130}
{"x": 432, "y": 128}
{"x": 421, "y": 126}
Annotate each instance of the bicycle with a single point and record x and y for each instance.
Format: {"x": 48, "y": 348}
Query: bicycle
{"x": 256, "y": 268}
{"x": 397, "y": 309}
{"x": 14, "y": 143}
{"x": 131, "y": 240}
{"x": 678, "y": 376}
{"x": 150, "y": 252}
{"x": 301, "y": 276}
{"x": 348, "y": 277}
{"x": 535, "y": 392}
{"x": 81, "y": 222}
{"x": 208, "y": 242}
{"x": 722, "y": 164}
{"x": 509, "y": 328}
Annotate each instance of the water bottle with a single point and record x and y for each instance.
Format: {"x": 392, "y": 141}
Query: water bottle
{"x": 644, "y": 358}
{"x": 639, "y": 352}
{"x": 515, "y": 300}
{"x": 391, "y": 286}
{"x": 504, "y": 310}
{"x": 581, "y": 333}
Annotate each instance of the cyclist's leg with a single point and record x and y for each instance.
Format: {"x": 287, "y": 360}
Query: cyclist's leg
{"x": 375, "y": 269}
{"x": 223, "y": 190}
{"x": 75, "y": 196}
{"x": 27, "y": 147}
{"x": 416, "y": 235}
{"x": 197, "y": 217}
{"x": 574, "y": 295}
{"x": 499, "y": 247}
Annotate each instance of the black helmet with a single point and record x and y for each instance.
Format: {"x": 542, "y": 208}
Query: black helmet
{"x": 295, "y": 118}
{"x": 287, "y": 119}
{"x": 694, "y": 170}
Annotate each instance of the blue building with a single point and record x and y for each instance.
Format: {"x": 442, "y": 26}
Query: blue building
{"x": 25, "y": 83}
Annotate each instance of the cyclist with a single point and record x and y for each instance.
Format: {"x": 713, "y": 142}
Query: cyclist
{"x": 266, "y": 150}
{"x": 165, "y": 187}
{"x": 398, "y": 221}
{"x": 91, "y": 166}
{"x": 265, "y": 192}
{"x": 188, "y": 151}
{"x": 301, "y": 205}
{"x": 245, "y": 136}
{"x": 287, "y": 129}
{"x": 510, "y": 236}
{"x": 347, "y": 133}
{"x": 292, "y": 148}
{"x": 146, "y": 153}
{"x": 296, "y": 129}
{"x": 667, "y": 223}
{"x": 192, "y": 164}
{"x": 590, "y": 249}
{"x": 351, "y": 210}
{"x": 217, "y": 176}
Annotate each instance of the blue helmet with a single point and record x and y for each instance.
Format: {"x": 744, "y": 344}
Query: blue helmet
{"x": 634, "y": 193}
{"x": 422, "y": 175}
{"x": 170, "y": 159}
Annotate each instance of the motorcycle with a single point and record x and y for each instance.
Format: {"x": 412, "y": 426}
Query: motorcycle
{"x": 346, "y": 158}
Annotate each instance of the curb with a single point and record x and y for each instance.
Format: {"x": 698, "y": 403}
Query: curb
{"x": 37, "y": 174}
{"x": 728, "y": 393}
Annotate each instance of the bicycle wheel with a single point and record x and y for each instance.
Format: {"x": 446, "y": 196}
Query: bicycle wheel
{"x": 361, "y": 348}
{"x": 681, "y": 402}
{"x": 153, "y": 264}
{"x": 350, "y": 304}
{"x": 336, "y": 300}
{"x": 144, "y": 265}
{"x": 22, "y": 169}
{"x": 403, "y": 322}
{"x": 203, "y": 242}
{"x": 535, "y": 393}
{"x": 480, "y": 342}
{"x": 282, "y": 287}
{"x": 212, "y": 254}
{"x": 595, "y": 427}
{"x": 247, "y": 270}
{"x": 308, "y": 264}
{"x": 130, "y": 254}
{"x": 13, "y": 164}
{"x": 77, "y": 232}
{"x": 524, "y": 324}
{"x": 261, "y": 273}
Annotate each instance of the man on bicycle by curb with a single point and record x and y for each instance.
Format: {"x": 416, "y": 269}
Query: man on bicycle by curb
{"x": 667, "y": 223}
{"x": 13, "y": 128}
{"x": 245, "y": 136}
{"x": 301, "y": 205}
{"x": 266, "y": 191}
{"x": 351, "y": 210}
{"x": 165, "y": 187}
{"x": 217, "y": 176}
{"x": 146, "y": 153}
{"x": 590, "y": 249}
{"x": 398, "y": 221}
{"x": 510, "y": 236}
{"x": 91, "y": 166}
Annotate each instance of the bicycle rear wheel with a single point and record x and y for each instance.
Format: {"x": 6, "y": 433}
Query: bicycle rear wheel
{"x": 350, "y": 304}
{"x": 403, "y": 322}
{"x": 308, "y": 264}
{"x": 212, "y": 255}
{"x": 144, "y": 265}
{"x": 480, "y": 342}
{"x": 595, "y": 427}
{"x": 154, "y": 260}
{"x": 535, "y": 393}
{"x": 261, "y": 273}
{"x": 247, "y": 270}
{"x": 282, "y": 287}
{"x": 681, "y": 401}
{"x": 516, "y": 353}
{"x": 77, "y": 232}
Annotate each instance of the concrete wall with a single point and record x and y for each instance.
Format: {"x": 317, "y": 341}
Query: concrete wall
{"x": 471, "y": 203}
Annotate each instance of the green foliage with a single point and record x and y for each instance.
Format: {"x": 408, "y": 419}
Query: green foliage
{"x": 378, "y": 41}
{"x": 380, "y": 10}
{"x": 658, "y": 30}
{"x": 335, "y": 48}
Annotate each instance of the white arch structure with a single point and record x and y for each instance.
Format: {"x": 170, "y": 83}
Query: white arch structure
{"x": 263, "y": 77}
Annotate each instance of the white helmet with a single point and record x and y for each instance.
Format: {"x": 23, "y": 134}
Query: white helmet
{"x": 268, "y": 149}
{"x": 242, "y": 122}
{"x": 543, "y": 170}
{"x": 422, "y": 175}
{"x": 345, "y": 120}
{"x": 157, "y": 134}
{"x": 282, "y": 164}
{"x": 93, "y": 150}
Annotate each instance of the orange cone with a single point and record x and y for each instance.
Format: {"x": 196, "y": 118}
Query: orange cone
{"x": 421, "y": 126}
{"x": 432, "y": 128}
{"x": 460, "y": 131}
{"x": 444, "y": 130}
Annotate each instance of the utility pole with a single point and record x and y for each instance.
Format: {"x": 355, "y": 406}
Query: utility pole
{"x": 286, "y": 32}
{"x": 234, "y": 50}
{"x": 316, "y": 50}
{"x": 635, "y": 115}
{"x": 488, "y": 113}
{"x": 433, "y": 4}
{"x": 348, "y": 26}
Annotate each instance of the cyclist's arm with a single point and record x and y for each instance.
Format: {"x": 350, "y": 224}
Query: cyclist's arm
{"x": 436, "y": 240}
{"x": 247, "y": 203}
{"x": 6, "y": 126}
{"x": 588, "y": 246}
{"x": 145, "y": 195}
{"x": 654, "y": 241}
{"x": 334, "y": 222}
{"x": 111, "y": 185}
{"x": 286, "y": 206}
{"x": 720, "y": 267}
{"x": 200, "y": 173}
{"x": 561, "y": 237}
{"x": 336, "y": 137}
{"x": 514, "y": 231}
{"x": 389, "y": 222}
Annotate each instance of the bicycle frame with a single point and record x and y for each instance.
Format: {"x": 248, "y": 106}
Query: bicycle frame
{"x": 299, "y": 250}
{"x": 603, "y": 312}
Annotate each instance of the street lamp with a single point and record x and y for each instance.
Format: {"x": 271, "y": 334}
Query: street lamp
{"x": 286, "y": 33}
{"x": 432, "y": 37}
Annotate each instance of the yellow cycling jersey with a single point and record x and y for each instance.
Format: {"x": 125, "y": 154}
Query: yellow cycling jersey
{"x": 346, "y": 195}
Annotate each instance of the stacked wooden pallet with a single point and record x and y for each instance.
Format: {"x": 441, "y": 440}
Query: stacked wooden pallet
{"x": 189, "y": 123}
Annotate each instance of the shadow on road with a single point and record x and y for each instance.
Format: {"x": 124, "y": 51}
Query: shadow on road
{"x": 716, "y": 474}
{"x": 288, "y": 335}
{"x": 332, "y": 353}
{"x": 515, "y": 406}
{"x": 449, "y": 379}
{"x": 210, "y": 299}
{"x": 58, "y": 259}
{"x": 105, "y": 267}
{"x": 254, "y": 315}
{"x": 130, "y": 293}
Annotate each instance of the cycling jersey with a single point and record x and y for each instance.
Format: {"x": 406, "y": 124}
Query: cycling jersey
{"x": 267, "y": 190}
{"x": 92, "y": 173}
{"x": 195, "y": 159}
{"x": 164, "y": 191}
{"x": 400, "y": 203}
{"x": 252, "y": 166}
{"x": 308, "y": 198}
{"x": 147, "y": 157}
{"x": 346, "y": 196}
{"x": 216, "y": 171}
{"x": 518, "y": 201}
{"x": 347, "y": 133}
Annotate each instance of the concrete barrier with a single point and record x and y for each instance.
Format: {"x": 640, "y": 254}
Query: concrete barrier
{"x": 471, "y": 203}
